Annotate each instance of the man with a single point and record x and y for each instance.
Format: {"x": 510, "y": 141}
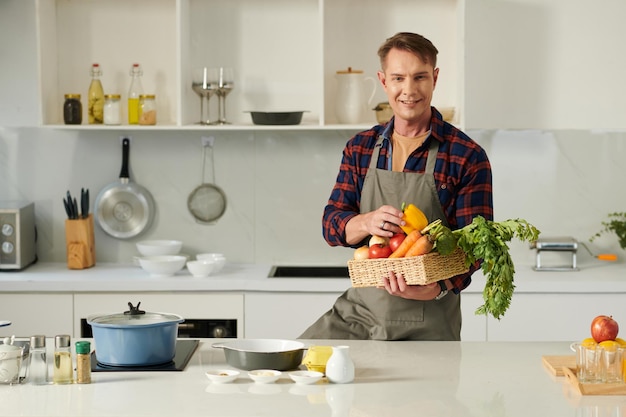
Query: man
{"x": 415, "y": 158}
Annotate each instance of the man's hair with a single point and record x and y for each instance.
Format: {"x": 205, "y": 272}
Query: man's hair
{"x": 411, "y": 42}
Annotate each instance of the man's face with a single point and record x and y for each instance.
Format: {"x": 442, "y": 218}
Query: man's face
{"x": 409, "y": 83}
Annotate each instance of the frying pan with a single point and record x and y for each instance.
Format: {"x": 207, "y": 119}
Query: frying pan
{"x": 207, "y": 202}
{"x": 124, "y": 209}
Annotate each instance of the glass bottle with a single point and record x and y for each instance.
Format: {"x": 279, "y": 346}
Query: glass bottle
{"x": 37, "y": 363}
{"x": 72, "y": 110}
{"x": 136, "y": 89}
{"x": 95, "y": 97}
{"x": 147, "y": 109}
{"x": 62, "y": 367}
{"x": 340, "y": 368}
{"x": 83, "y": 362}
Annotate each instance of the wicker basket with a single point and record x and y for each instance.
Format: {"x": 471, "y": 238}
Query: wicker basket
{"x": 416, "y": 270}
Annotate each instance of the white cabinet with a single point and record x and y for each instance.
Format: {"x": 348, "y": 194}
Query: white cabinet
{"x": 197, "y": 305}
{"x": 554, "y": 317}
{"x": 31, "y": 314}
{"x": 285, "y": 53}
{"x": 473, "y": 327}
{"x": 284, "y": 315}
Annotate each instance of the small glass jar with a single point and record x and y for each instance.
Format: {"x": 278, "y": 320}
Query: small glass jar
{"x": 147, "y": 109}
{"x": 83, "y": 362}
{"x": 112, "y": 109}
{"x": 62, "y": 368}
{"x": 72, "y": 110}
{"x": 37, "y": 364}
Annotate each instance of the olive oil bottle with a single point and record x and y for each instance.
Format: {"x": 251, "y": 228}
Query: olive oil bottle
{"x": 63, "y": 370}
{"x": 95, "y": 97}
{"x": 136, "y": 89}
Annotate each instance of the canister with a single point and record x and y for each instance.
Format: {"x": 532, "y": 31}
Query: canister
{"x": 112, "y": 109}
{"x": 147, "y": 109}
{"x": 72, "y": 110}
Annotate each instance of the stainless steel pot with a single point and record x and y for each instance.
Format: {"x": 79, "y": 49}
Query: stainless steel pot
{"x": 135, "y": 337}
{"x": 124, "y": 209}
{"x": 250, "y": 354}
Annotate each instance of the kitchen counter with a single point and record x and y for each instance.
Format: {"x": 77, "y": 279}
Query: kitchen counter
{"x": 593, "y": 277}
{"x": 397, "y": 379}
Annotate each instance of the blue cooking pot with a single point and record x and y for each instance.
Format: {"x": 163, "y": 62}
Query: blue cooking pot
{"x": 135, "y": 337}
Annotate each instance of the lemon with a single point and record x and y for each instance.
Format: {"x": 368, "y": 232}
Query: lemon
{"x": 609, "y": 345}
{"x": 589, "y": 342}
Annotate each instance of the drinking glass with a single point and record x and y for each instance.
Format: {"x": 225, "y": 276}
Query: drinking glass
{"x": 204, "y": 83}
{"x": 225, "y": 79}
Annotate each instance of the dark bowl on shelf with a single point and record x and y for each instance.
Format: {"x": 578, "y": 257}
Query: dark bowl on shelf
{"x": 276, "y": 118}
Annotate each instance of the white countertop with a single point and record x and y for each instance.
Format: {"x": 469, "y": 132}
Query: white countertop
{"x": 592, "y": 277}
{"x": 396, "y": 379}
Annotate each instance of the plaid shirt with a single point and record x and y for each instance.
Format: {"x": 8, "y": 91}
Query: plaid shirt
{"x": 462, "y": 177}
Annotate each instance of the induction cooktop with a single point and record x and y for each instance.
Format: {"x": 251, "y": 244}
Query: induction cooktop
{"x": 184, "y": 351}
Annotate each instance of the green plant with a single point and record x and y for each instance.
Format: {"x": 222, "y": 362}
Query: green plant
{"x": 616, "y": 223}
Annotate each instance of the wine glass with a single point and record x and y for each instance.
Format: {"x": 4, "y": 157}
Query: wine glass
{"x": 225, "y": 79}
{"x": 204, "y": 83}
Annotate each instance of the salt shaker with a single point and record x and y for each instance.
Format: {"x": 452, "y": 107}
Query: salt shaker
{"x": 37, "y": 363}
{"x": 63, "y": 370}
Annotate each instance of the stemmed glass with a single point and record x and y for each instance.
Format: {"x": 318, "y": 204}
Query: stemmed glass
{"x": 225, "y": 79}
{"x": 204, "y": 83}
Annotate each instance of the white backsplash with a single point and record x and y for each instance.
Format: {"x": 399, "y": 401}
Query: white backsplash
{"x": 277, "y": 183}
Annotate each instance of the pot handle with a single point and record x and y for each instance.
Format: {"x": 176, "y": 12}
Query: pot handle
{"x": 217, "y": 345}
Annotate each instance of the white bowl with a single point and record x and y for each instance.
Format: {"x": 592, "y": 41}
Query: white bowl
{"x": 222, "y": 376}
{"x": 159, "y": 247}
{"x": 218, "y": 257}
{"x": 162, "y": 266}
{"x": 305, "y": 377}
{"x": 201, "y": 269}
{"x": 264, "y": 376}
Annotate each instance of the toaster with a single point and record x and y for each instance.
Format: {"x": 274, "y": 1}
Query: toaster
{"x": 18, "y": 235}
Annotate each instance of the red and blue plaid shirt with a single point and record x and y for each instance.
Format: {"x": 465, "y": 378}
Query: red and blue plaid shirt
{"x": 462, "y": 177}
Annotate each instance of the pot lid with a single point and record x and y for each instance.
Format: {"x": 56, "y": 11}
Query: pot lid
{"x": 133, "y": 317}
{"x": 350, "y": 71}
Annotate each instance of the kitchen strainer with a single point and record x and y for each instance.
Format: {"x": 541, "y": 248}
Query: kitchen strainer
{"x": 207, "y": 202}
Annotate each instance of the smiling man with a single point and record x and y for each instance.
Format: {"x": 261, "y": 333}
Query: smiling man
{"x": 416, "y": 158}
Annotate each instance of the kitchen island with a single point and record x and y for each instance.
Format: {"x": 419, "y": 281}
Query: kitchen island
{"x": 448, "y": 379}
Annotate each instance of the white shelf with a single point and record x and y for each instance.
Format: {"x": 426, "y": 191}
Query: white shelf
{"x": 285, "y": 53}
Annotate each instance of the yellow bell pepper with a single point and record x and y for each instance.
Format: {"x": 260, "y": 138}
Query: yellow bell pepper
{"x": 415, "y": 219}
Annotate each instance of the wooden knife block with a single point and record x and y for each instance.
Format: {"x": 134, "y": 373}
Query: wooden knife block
{"x": 80, "y": 243}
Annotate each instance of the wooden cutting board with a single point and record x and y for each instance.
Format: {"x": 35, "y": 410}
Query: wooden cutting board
{"x": 555, "y": 364}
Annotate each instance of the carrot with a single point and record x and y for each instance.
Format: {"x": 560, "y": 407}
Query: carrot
{"x": 406, "y": 244}
{"x": 421, "y": 247}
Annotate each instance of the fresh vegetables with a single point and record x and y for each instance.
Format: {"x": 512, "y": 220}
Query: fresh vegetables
{"x": 485, "y": 240}
{"x": 615, "y": 224}
{"x": 396, "y": 240}
{"x": 379, "y": 240}
{"x": 361, "y": 253}
{"x": 415, "y": 219}
{"x": 421, "y": 247}
{"x": 406, "y": 244}
{"x": 379, "y": 251}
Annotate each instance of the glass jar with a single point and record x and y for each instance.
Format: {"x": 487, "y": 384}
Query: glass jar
{"x": 83, "y": 362}
{"x": 72, "y": 110}
{"x": 112, "y": 109}
{"x": 37, "y": 364}
{"x": 63, "y": 369}
{"x": 147, "y": 109}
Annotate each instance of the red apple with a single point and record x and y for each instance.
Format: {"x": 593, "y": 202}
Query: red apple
{"x": 604, "y": 328}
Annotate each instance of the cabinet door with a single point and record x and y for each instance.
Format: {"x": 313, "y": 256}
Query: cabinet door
{"x": 554, "y": 317}
{"x": 474, "y": 327}
{"x": 284, "y": 315}
{"x": 32, "y": 314}
{"x": 188, "y": 305}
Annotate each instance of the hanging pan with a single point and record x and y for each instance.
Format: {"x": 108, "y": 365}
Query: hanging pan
{"x": 124, "y": 209}
{"x": 207, "y": 202}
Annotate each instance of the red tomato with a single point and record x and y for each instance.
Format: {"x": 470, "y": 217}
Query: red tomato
{"x": 379, "y": 251}
{"x": 396, "y": 240}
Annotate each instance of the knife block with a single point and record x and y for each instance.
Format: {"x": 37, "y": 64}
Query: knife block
{"x": 80, "y": 243}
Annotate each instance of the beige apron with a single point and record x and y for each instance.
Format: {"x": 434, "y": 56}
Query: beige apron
{"x": 372, "y": 313}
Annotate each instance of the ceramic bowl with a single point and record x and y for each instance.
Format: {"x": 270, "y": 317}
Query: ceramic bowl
{"x": 222, "y": 376}
{"x": 162, "y": 266}
{"x": 220, "y": 260}
{"x": 10, "y": 363}
{"x": 305, "y": 377}
{"x": 264, "y": 376}
{"x": 201, "y": 269}
{"x": 159, "y": 247}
